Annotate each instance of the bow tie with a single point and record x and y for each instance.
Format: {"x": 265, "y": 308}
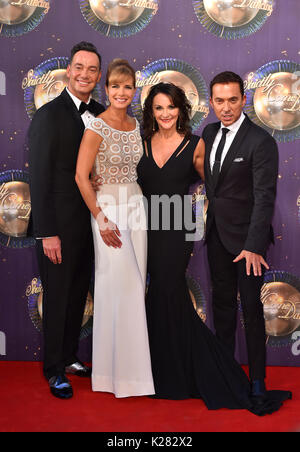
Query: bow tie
{"x": 91, "y": 107}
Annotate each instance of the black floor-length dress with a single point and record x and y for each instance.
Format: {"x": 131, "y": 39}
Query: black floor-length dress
{"x": 187, "y": 359}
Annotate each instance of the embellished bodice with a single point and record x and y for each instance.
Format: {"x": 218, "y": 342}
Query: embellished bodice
{"x": 119, "y": 153}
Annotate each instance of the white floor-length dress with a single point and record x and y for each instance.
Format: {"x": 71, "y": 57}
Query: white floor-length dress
{"x": 121, "y": 355}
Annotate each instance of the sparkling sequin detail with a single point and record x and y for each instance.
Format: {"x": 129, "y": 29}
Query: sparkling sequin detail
{"x": 119, "y": 153}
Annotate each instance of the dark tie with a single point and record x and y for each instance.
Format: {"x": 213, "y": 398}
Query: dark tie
{"x": 217, "y": 164}
{"x": 91, "y": 107}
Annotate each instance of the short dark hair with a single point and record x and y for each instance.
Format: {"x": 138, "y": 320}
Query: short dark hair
{"x": 88, "y": 47}
{"x": 227, "y": 77}
{"x": 179, "y": 100}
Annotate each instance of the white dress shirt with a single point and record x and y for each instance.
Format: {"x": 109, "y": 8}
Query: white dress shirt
{"x": 87, "y": 115}
{"x": 233, "y": 128}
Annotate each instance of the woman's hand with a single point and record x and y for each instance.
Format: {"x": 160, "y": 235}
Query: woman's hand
{"x": 198, "y": 159}
{"x": 96, "y": 182}
{"x": 109, "y": 231}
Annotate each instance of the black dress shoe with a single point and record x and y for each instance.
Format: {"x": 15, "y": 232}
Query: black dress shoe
{"x": 258, "y": 388}
{"x": 60, "y": 387}
{"x": 78, "y": 369}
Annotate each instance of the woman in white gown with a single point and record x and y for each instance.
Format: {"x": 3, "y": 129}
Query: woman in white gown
{"x": 111, "y": 148}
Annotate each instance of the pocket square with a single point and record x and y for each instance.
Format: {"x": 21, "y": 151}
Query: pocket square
{"x": 239, "y": 159}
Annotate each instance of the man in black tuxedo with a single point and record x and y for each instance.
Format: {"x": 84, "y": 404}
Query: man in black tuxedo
{"x": 241, "y": 170}
{"x": 60, "y": 218}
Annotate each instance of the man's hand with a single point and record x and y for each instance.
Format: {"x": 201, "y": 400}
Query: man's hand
{"x": 252, "y": 260}
{"x": 52, "y": 249}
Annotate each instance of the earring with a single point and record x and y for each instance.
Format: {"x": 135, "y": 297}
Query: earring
{"x": 178, "y": 123}
{"x": 107, "y": 103}
{"x": 154, "y": 125}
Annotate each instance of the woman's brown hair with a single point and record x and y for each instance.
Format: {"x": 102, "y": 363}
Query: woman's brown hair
{"x": 121, "y": 69}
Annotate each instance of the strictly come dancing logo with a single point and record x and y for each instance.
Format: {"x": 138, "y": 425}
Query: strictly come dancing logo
{"x": 233, "y": 19}
{"x": 47, "y": 81}
{"x": 15, "y": 209}
{"x": 118, "y": 18}
{"x": 180, "y": 73}
{"x": 18, "y": 17}
{"x": 34, "y": 294}
{"x": 280, "y": 297}
{"x": 273, "y": 98}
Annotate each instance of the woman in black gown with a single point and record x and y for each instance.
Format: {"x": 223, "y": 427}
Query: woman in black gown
{"x": 187, "y": 359}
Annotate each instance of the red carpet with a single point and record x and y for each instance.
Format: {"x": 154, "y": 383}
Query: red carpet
{"x": 27, "y": 406}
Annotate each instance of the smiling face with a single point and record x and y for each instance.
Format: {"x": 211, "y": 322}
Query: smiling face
{"x": 120, "y": 91}
{"x": 227, "y": 102}
{"x": 165, "y": 112}
{"x": 83, "y": 74}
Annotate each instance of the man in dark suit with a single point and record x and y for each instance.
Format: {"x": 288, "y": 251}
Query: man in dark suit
{"x": 241, "y": 170}
{"x": 61, "y": 220}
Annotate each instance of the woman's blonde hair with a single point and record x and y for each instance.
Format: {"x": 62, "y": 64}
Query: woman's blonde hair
{"x": 119, "y": 68}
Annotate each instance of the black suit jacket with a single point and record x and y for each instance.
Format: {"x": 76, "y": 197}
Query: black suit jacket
{"x": 242, "y": 202}
{"x": 54, "y": 139}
